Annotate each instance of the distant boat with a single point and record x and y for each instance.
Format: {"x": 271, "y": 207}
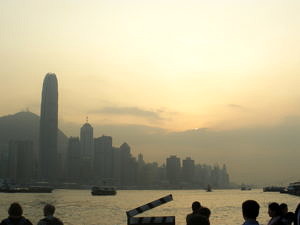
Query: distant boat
{"x": 30, "y": 189}
{"x": 103, "y": 191}
{"x": 294, "y": 188}
{"x": 208, "y": 189}
{"x": 245, "y": 188}
{"x": 273, "y": 189}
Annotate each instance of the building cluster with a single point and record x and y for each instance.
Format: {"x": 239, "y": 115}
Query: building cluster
{"x": 96, "y": 160}
{"x": 90, "y": 160}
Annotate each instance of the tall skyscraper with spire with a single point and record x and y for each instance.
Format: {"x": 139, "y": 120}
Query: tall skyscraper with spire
{"x": 48, "y": 129}
{"x": 87, "y": 150}
{"x": 87, "y": 140}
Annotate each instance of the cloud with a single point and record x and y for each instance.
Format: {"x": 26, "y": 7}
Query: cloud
{"x": 236, "y": 106}
{"x": 131, "y": 111}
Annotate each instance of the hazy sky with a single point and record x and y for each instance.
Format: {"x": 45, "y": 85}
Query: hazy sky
{"x": 177, "y": 65}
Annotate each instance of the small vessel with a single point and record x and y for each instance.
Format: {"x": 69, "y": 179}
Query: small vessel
{"x": 294, "y": 188}
{"x": 30, "y": 189}
{"x": 245, "y": 187}
{"x": 273, "y": 189}
{"x": 103, "y": 191}
{"x": 208, "y": 189}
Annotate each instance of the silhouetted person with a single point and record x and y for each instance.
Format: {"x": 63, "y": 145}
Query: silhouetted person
{"x": 195, "y": 207}
{"x": 250, "y": 209}
{"x": 275, "y": 214}
{"x": 283, "y": 209}
{"x": 287, "y": 218}
{"x": 204, "y": 211}
{"x": 297, "y": 215}
{"x": 49, "y": 219}
{"x": 199, "y": 219}
{"x": 15, "y": 217}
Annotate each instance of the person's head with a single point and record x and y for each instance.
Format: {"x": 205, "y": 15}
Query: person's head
{"x": 15, "y": 210}
{"x": 274, "y": 209}
{"x": 205, "y": 212}
{"x": 283, "y": 208}
{"x": 49, "y": 210}
{"x": 196, "y": 206}
{"x": 250, "y": 209}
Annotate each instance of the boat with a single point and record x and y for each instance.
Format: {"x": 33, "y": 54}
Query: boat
{"x": 30, "y": 189}
{"x": 273, "y": 189}
{"x": 103, "y": 191}
{"x": 208, "y": 189}
{"x": 294, "y": 188}
{"x": 245, "y": 187}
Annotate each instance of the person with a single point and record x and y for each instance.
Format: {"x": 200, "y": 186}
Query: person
{"x": 297, "y": 215}
{"x": 15, "y": 217}
{"x": 195, "y": 208}
{"x": 275, "y": 214}
{"x": 204, "y": 211}
{"x": 250, "y": 210}
{"x": 199, "y": 219}
{"x": 49, "y": 219}
{"x": 287, "y": 218}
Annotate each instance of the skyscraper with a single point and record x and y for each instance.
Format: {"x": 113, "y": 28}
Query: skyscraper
{"x": 20, "y": 162}
{"x": 87, "y": 151}
{"x": 48, "y": 129}
{"x": 173, "y": 168}
{"x": 87, "y": 140}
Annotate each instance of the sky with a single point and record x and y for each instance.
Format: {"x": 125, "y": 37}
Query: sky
{"x": 228, "y": 67}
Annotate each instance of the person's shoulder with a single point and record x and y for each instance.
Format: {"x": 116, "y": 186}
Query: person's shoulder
{"x": 27, "y": 222}
{"x": 4, "y": 221}
{"x": 42, "y": 222}
{"x": 250, "y": 223}
{"x": 199, "y": 219}
{"x": 58, "y": 221}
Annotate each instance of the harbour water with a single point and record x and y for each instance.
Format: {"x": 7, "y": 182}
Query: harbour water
{"x": 79, "y": 207}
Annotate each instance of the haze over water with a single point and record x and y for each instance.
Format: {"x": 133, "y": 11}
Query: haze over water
{"x": 79, "y": 207}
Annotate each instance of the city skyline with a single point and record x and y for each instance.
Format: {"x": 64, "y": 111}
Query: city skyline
{"x": 217, "y": 80}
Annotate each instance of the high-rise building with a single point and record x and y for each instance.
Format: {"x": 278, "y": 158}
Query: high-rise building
{"x": 103, "y": 160}
{"x": 126, "y": 164}
{"x": 73, "y": 160}
{"x": 188, "y": 170}
{"x": 173, "y": 169}
{"x": 87, "y": 151}
{"x": 20, "y": 161}
{"x": 87, "y": 140}
{"x": 48, "y": 129}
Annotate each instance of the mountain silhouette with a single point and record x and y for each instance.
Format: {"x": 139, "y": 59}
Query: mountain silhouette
{"x": 25, "y": 125}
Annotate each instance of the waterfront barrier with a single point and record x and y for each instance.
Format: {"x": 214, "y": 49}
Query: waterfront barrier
{"x": 154, "y": 220}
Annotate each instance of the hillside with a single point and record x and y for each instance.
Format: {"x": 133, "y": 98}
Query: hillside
{"x": 25, "y": 126}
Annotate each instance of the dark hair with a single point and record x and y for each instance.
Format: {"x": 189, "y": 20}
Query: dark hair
{"x": 274, "y": 207}
{"x": 250, "y": 209}
{"x": 283, "y": 206}
{"x": 49, "y": 209}
{"x": 196, "y": 206}
{"x": 205, "y": 212}
{"x": 15, "y": 210}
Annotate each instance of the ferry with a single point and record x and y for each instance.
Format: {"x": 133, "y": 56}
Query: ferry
{"x": 103, "y": 191}
{"x": 273, "y": 189}
{"x": 294, "y": 188}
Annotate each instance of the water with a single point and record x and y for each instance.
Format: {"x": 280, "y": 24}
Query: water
{"x": 79, "y": 207}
